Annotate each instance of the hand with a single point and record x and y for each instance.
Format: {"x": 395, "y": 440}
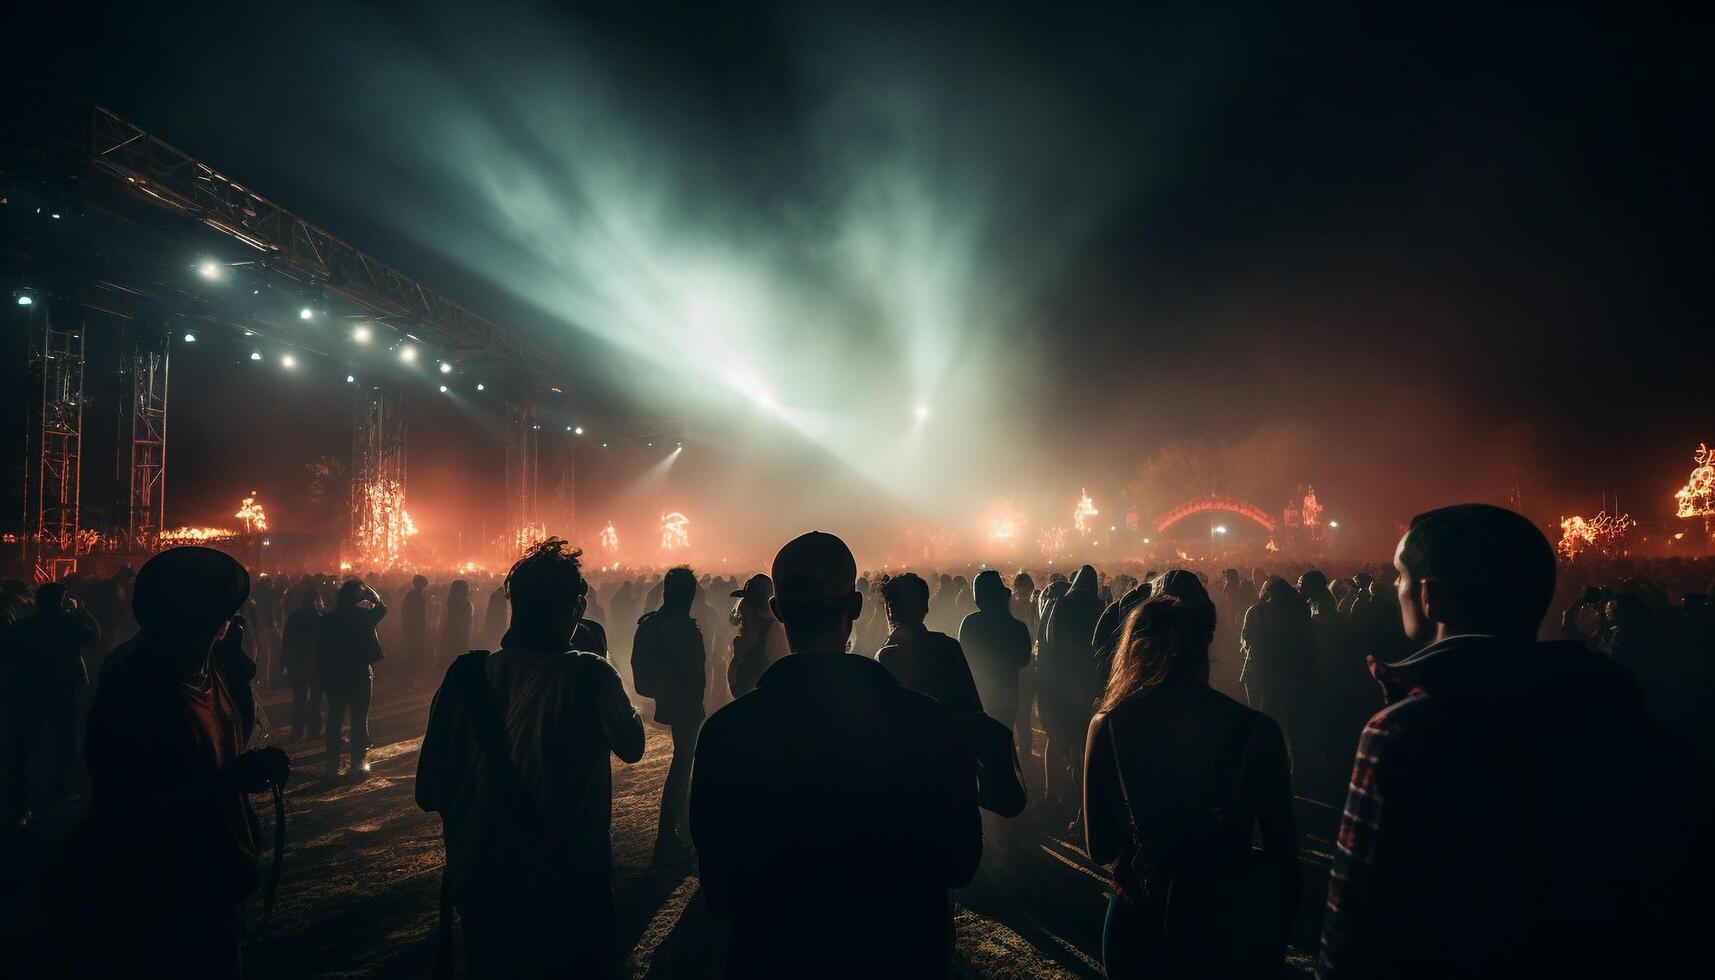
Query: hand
{"x": 258, "y": 769}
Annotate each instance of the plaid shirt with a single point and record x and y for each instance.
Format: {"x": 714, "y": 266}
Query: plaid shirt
{"x": 1362, "y": 841}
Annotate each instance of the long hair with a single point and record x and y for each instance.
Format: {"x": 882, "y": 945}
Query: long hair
{"x": 1164, "y": 639}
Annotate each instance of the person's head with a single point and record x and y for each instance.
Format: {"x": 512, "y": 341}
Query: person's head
{"x": 1473, "y": 568}
{"x": 1628, "y": 613}
{"x": 1189, "y": 590}
{"x": 350, "y": 593}
{"x": 184, "y": 597}
{"x": 460, "y": 589}
{"x": 758, "y": 589}
{"x": 547, "y": 588}
{"x": 1023, "y": 585}
{"x": 419, "y": 582}
{"x": 1164, "y": 641}
{"x": 906, "y": 598}
{"x": 815, "y": 593}
{"x": 1085, "y": 580}
{"x": 678, "y": 589}
{"x": 1313, "y": 582}
{"x": 311, "y": 599}
{"x": 990, "y": 591}
{"x": 50, "y": 597}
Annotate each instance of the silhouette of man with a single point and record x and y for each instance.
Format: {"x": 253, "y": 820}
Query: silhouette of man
{"x": 298, "y": 649}
{"x": 923, "y": 660}
{"x": 1067, "y": 686}
{"x": 760, "y": 640}
{"x": 527, "y": 825}
{"x": 414, "y": 626}
{"x": 832, "y": 809}
{"x": 1513, "y": 811}
{"x": 49, "y": 679}
{"x": 672, "y": 648}
{"x": 170, "y": 845}
{"x": 347, "y": 650}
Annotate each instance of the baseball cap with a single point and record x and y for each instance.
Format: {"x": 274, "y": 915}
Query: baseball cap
{"x": 188, "y": 587}
{"x": 814, "y": 566}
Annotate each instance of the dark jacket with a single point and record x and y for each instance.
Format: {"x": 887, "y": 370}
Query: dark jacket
{"x": 832, "y": 809}
{"x": 931, "y": 663}
{"x": 164, "y": 836}
{"x": 347, "y": 644}
{"x": 672, "y": 643}
{"x": 997, "y": 646}
{"x": 1517, "y": 814}
{"x": 564, "y": 713}
{"x": 1066, "y": 667}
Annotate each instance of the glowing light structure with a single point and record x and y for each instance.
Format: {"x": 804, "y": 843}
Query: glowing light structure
{"x": 1085, "y": 510}
{"x": 385, "y": 526}
{"x": 180, "y": 536}
{"x": 675, "y": 531}
{"x": 1697, "y": 497}
{"x": 610, "y": 539}
{"x": 1002, "y": 524}
{"x": 1052, "y": 541}
{"x": 1311, "y": 510}
{"x": 1215, "y": 501}
{"x": 251, "y": 514}
{"x": 1605, "y": 534}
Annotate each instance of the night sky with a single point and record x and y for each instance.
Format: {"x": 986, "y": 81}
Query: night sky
{"x": 1427, "y": 244}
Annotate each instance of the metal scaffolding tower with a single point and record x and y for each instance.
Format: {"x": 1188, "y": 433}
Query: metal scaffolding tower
{"x": 145, "y": 455}
{"x": 53, "y": 441}
{"x": 380, "y": 524}
{"x": 522, "y": 467}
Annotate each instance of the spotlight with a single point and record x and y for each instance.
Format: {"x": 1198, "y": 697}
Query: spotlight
{"x": 568, "y": 428}
{"x": 408, "y": 354}
{"x": 922, "y": 413}
{"x": 443, "y": 389}
{"x": 446, "y": 368}
{"x": 56, "y": 216}
{"x": 350, "y": 379}
{"x": 306, "y": 313}
{"x": 361, "y": 334}
{"x": 25, "y": 299}
{"x": 1333, "y": 525}
{"x": 255, "y": 355}
{"x": 288, "y": 361}
{"x": 604, "y": 445}
{"x": 678, "y": 445}
{"x": 578, "y": 431}
{"x": 1145, "y": 540}
{"x": 190, "y": 338}
{"x": 652, "y": 445}
{"x": 479, "y": 386}
{"x": 211, "y": 270}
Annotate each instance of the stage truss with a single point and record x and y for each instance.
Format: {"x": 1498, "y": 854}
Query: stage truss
{"x": 53, "y": 446}
{"x": 146, "y": 405}
{"x": 380, "y": 525}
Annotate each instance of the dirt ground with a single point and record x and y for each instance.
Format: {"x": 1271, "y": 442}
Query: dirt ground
{"x": 359, "y": 893}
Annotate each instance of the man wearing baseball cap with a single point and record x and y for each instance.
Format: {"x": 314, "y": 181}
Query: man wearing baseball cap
{"x": 831, "y": 808}
{"x": 760, "y": 640}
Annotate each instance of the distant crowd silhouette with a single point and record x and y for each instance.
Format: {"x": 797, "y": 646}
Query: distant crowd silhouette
{"x": 1523, "y": 795}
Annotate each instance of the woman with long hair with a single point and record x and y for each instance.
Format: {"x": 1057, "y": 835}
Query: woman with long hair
{"x": 1178, "y": 781}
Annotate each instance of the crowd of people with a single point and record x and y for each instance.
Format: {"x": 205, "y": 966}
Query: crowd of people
{"x": 1510, "y": 778}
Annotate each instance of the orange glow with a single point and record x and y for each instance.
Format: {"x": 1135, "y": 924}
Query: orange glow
{"x": 675, "y": 531}
{"x": 1603, "y": 533}
{"x": 1312, "y": 511}
{"x": 1003, "y": 524}
{"x": 250, "y": 512}
{"x": 1697, "y": 497}
{"x": 181, "y": 536}
{"x": 1085, "y": 510}
{"x": 610, "y": 539}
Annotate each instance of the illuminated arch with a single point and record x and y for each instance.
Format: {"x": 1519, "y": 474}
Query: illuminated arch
{"x": 1214, "y": 501}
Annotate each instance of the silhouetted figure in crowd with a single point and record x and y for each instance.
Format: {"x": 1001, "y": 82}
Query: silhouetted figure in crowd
{"x": 347, "y": 650}
{"x": 1178, "y": 778}
{"x": 151, "y": 883}
{"x": 414, "y": 628}
{"x": 1513, "y": 811}
{"x": 1107, "y": 633}
{"x": 456, "y": 618}
{"x": 996, "y": 646}
{"x": 590, "y": 637}
{"x": 1066, "y": 686}
{"x": 494, "y": 618}
{"x": 921, "y": 659}
{"x": 1278, "y": 643}
{"x": 760, "y": 641}
{"x": 669, "y": 660}
{"x": 832, "y": 808}
{"x": 515, "y": 760}
{"x": 49, "y": 680}
{"x": 298, "y": 649}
